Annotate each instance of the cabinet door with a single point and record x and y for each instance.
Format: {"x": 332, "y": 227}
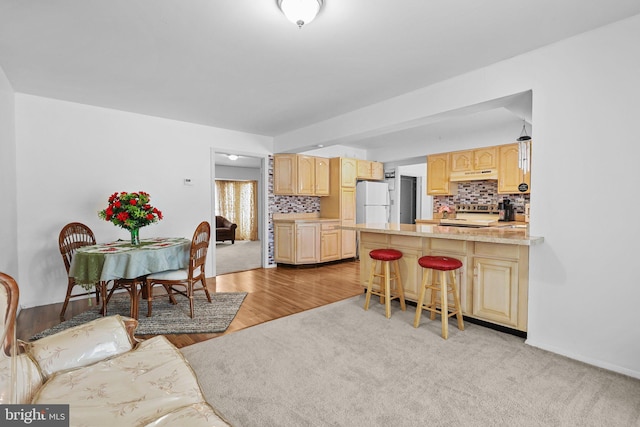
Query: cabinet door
{"x": 349, "y": 173}
{"x": 364, "y": 169}
{"x": 306, "y": 175}
{"x": 348, "y": 241}
{"x": 330, "y": 243}
{"x": 322, "y": 176}
{"x": 285, "y": 168}
{"x": 410, "y": 270}
{"x": 461, "y": 161}
{"x": 510, "y": 175}
{"x": 495, "y": 290}
{"x": 377, "y": 170}
{"x": 284, "y": 242}
{"x": 307, "y": 243}
{"x": 348, "y": 204}
{"x": 438, "y": 174}
{"x": 485, "y": 158}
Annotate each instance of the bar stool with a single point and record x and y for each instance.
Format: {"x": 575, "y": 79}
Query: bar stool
{"x": 385, "y": 257}
{"x": 443, "y": 265}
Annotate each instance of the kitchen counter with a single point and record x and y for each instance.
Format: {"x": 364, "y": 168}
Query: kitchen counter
{"x": 301, "y": 218}
{"x": 304, "y": 220}
{"x": 493, "y": 280}
{"x": 507, "y": 234}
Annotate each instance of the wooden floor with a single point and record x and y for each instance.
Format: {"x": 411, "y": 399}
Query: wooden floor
{"x": 272, "y": 293}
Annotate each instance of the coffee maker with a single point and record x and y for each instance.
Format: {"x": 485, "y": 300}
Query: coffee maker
{"x": 506, "y": 211}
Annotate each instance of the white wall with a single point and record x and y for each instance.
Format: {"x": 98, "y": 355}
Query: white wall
{"x": 583, "y": 290}
{"x": 71, "y": 157}
{"x": 8, "y": 194}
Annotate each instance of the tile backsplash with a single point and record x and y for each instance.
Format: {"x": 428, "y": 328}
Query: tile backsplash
{"x": 480, "y": 193}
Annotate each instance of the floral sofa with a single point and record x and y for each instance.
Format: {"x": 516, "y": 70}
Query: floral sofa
{"x": 106, "y": 376}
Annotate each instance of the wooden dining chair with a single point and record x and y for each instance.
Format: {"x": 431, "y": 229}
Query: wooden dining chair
{"x": 73, "y": 236}
{"x": 187, "y": 278}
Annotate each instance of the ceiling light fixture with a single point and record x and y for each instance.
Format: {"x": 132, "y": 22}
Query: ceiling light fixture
{"x": 300, "y": 12}
{"x": 232, "y": 156}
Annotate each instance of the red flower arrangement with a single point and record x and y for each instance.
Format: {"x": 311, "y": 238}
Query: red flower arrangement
{"x": 130, "y": 210}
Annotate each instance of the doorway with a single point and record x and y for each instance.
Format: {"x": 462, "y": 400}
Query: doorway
{"x": 238, "y": 195}
{"x": 408, "y": 202}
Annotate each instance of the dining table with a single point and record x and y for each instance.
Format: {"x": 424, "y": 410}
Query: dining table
{"x": 128, "y": 264}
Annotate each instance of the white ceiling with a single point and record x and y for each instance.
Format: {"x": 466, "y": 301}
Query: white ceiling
{"x": 239, "y": 64}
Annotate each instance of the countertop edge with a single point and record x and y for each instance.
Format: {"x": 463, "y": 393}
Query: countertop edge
{"x": 301, "y": 220}
{"x": 467, "y": 234}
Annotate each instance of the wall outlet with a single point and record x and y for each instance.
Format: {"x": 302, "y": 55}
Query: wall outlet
{"x": 188, "y": 181}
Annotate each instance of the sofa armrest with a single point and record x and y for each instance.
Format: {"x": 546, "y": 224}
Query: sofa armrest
{"x": 83, "y": 345}
{"x": 228, "y": 224}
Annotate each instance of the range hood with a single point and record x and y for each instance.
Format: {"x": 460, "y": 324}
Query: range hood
{"x": 476, "y": 175}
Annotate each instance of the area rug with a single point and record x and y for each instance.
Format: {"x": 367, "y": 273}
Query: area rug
{"x": 167, "y": 318}
{"x": 339, "y": 365}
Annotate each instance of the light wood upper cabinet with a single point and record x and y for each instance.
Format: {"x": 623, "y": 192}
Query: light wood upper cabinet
{"x": 285, "y": 173}
{"x": 470, "y": 160}
{"x": 377, "y": 170}
{"x": 462, "y": 161}
{"x": 306, "y": 175}
{"x": 510, "y": 176}
{"x": 438, "y": 174}
{"x": 322, "y": 176}
{"x": 485, "y": 158}
{"x": 347, "y": 170}
{"x": 369, "y": 170}
{"x": 295, "y": 174}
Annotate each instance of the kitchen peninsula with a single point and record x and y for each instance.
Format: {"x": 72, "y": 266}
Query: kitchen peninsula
{"x": 493, "y": 281}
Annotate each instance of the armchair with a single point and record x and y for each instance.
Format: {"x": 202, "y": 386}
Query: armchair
{"x": 225, "y": 230}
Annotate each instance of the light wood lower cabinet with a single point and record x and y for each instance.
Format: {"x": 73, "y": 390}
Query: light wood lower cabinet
{"x": 493, "y": 281}
{"x": 330, "y": 241}
{"x": 348, "y": 242}
{"x": 495, "y": 290}
{"x": 307, "y": 242}
{"x": 284, "y": 242}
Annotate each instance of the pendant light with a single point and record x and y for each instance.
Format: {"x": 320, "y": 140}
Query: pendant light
{"x": 300, "y": 12}
{"x": 524, "y": 149}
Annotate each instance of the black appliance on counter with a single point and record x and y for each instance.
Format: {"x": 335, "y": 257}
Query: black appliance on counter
{"x": 506, "y": 211}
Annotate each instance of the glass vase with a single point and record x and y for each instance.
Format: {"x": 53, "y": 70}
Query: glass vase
{"x": 135, "y": 236}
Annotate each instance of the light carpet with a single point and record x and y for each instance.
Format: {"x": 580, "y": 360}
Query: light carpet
{"x": 167, "y": 318}
{"x": 339, "y": 365}
{"x": 241, "y": 256}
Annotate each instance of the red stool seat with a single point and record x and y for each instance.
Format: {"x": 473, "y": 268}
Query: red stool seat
{"x": 441, "y": 263}
{"x": 385, "y": 254}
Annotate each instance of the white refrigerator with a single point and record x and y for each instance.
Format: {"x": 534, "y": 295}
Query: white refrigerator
{"x": 372, "y": 202}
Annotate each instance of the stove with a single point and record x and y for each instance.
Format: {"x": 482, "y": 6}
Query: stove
{"x": 473, "y": 216}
